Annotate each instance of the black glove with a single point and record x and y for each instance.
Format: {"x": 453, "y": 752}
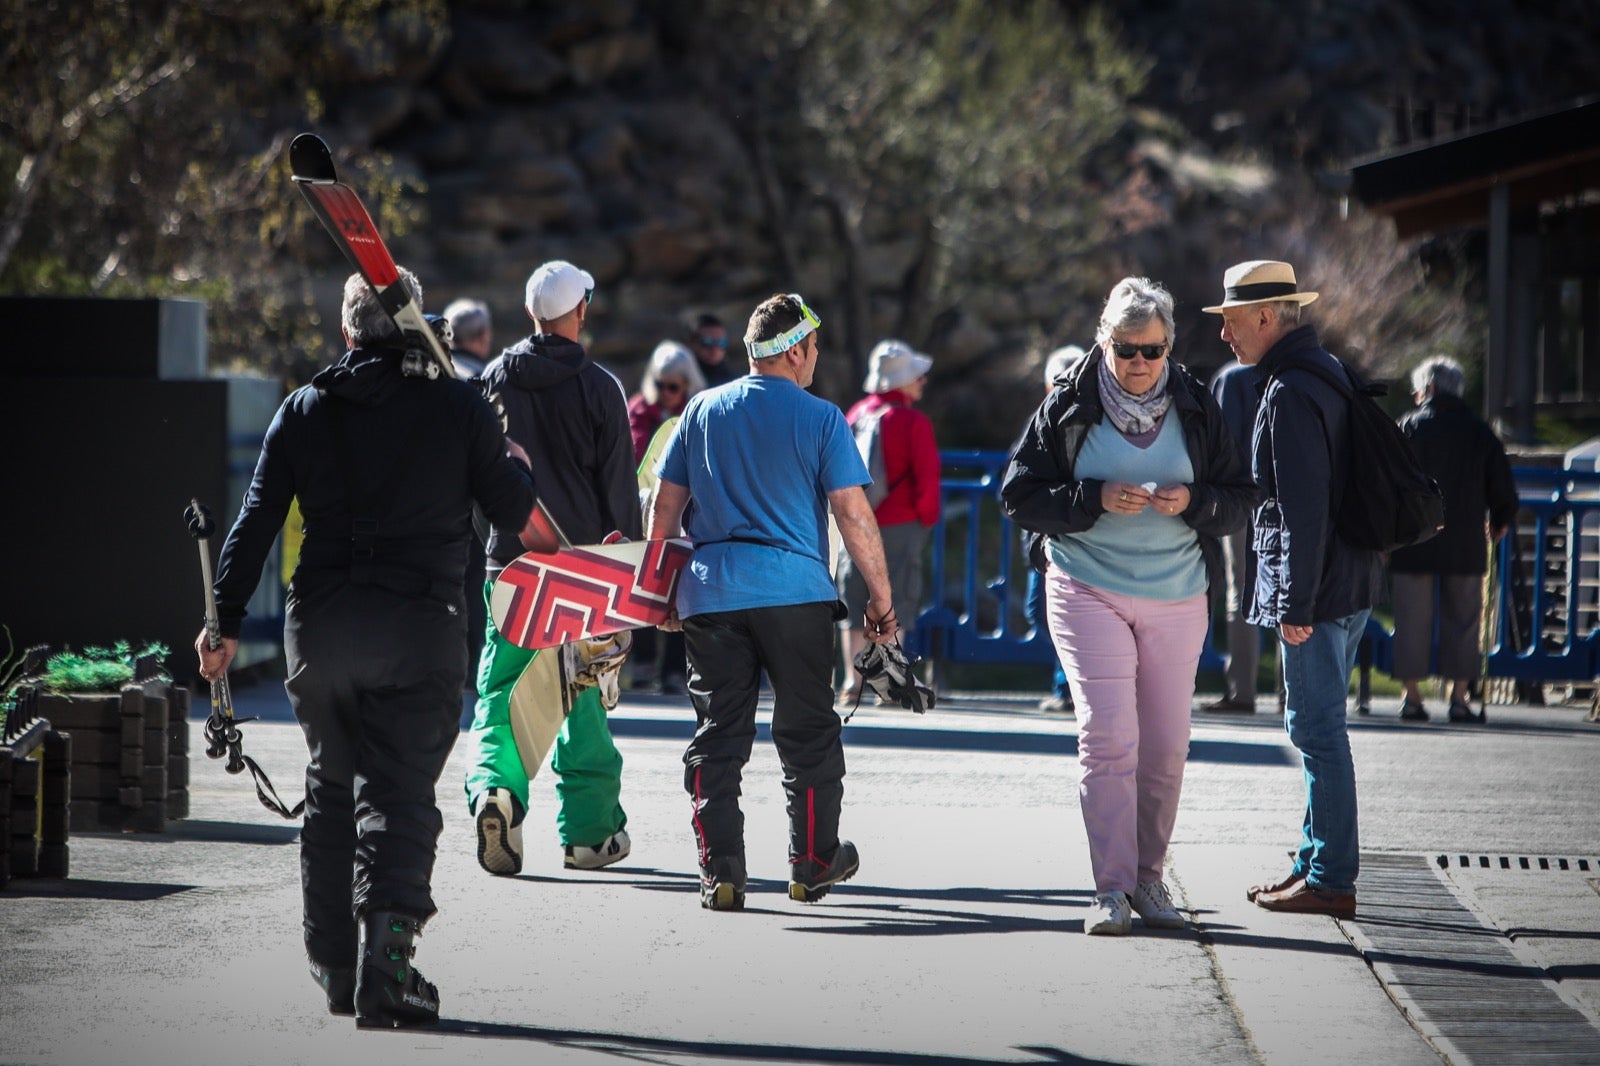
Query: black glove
{"x": 198, "y": 516}
{"x": 885, "y": 669}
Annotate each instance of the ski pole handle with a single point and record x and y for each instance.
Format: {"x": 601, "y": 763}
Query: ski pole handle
{"x": 201, "y": 526}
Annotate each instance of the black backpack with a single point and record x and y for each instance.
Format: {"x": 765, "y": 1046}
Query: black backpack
{"x": 1389, "y": 501}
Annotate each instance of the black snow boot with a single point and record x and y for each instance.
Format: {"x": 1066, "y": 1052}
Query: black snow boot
{"x": 339, "y": 984}
{"x": 389, "y": 993}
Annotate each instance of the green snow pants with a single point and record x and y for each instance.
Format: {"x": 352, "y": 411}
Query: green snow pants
{"x": 586, "y": 761}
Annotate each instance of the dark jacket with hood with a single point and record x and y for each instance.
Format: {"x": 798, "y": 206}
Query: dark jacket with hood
{"x": 1461, "y": 453}
{"x": 1042, "y": 495}
{"x": 572, "y": 417}
{"x": 1300, "y": 570}
{"x": 386, "y": 468}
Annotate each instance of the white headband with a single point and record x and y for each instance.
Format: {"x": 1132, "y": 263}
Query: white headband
{"x": 784, "y": 341}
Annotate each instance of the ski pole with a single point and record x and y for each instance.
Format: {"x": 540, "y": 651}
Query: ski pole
{"x": 222, "y": 735}
{"x": 222, "y": 728}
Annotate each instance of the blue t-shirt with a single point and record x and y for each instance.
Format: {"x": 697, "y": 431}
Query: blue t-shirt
{"x": 759, "y": 456}
{"x": 1149, "y": 555}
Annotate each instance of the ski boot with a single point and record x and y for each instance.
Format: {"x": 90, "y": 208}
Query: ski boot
{"x": 390, "y": 994}
{"x": 338, "y": 983}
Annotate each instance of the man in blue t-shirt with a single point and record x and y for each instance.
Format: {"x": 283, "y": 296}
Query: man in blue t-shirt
{"x": 749, "y": 477}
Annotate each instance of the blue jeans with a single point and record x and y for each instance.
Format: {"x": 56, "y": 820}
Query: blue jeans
{"x": 1316, "y": 677}
{"x": 1035, "y": 610}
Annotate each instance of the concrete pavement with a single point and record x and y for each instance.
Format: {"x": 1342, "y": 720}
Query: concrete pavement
{"x": 960, "y": 940}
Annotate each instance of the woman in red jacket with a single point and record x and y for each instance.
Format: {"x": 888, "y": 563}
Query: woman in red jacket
{"x": 910, "y": 462}
{"x": 670, "y": 378}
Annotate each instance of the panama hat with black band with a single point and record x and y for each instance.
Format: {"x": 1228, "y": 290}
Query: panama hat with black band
{"x": 1259, "y": 281}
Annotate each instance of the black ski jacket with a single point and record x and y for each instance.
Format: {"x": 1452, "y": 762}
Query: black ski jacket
{"x": 1461, "y": 453}
{"x": 572, "y": 417}
{"x": 386, "y": 468}
{"x": 1042, "y": 495}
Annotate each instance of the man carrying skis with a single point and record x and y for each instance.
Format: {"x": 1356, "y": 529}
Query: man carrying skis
{"x": 763, "y": 460}
{"x": 572, "y": 417}
{"x": 386, "y": 466}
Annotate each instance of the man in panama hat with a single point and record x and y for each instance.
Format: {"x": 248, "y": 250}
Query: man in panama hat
{"x": 1305, "y": 580}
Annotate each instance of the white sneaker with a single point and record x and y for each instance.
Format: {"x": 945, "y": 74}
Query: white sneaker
{"x": 1154, "y": 904}
{"x": 613, "y": 848}
{"x": 1109, "y": 916}
{"x": 499, "y": 839}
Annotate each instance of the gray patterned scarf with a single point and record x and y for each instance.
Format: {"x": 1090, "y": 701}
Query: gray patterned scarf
{"x": 1129, "y": 413}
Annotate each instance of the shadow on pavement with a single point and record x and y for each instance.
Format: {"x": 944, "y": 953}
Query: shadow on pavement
{"x": 629, "y": 1047}
{"x": 115, "y": 891}
{"x": 208, "y": 832}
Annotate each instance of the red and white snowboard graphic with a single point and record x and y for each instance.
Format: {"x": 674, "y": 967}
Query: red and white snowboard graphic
{"x": 542, "y": 601}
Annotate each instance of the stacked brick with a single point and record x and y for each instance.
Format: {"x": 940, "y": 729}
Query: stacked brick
{"x": 35, "y": 788}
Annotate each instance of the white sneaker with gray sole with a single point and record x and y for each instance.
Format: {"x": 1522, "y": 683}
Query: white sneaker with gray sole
{"x": 1153, "y": 903}
{"x": 1109, "y": 916}
{"x": 499, "y": 838}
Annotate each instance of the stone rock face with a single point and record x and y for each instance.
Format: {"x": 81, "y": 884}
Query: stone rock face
{"x": 607, "y": 133}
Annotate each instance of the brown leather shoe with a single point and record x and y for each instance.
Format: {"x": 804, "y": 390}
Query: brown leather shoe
{"x": 1308, "y": 899}
{"x": 1287, "y": 881}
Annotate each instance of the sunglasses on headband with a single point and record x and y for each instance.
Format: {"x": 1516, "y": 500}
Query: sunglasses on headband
{"x": 1151, "y": 352}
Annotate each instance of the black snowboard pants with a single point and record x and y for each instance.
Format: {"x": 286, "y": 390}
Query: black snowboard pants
{"x": 375, "y": 680}
{"x": 727, "y": 652}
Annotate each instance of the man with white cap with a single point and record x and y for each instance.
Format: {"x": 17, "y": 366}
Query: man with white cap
{"x": 1306, "y": 581}
{"x": 763, "y": 460}
{"x": 572, "y": 417}
{"x": 896, "y": 440}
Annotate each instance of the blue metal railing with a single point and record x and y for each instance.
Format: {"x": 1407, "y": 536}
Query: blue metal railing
{"x": 1548, "y": 570}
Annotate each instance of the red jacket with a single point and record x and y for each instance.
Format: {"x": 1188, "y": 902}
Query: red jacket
{"x": 910, "y": 459}
{"x": 644, "y": 418}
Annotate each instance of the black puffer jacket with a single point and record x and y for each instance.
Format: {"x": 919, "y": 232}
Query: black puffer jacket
{"x": 1461, "y": 453}
{"x": 1042, "y": 496}
{"x": 572, "y": 417}
{"x": 406, "y": 456}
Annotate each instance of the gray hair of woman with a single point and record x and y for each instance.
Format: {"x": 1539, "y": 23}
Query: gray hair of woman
{"x": 671, "y": 360}
{"x": 1440, "y": 373}
{"x": 1133, "y": 304}
{"x": 364, "y": 320}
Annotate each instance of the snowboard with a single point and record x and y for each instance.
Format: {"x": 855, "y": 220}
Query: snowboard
{"x": 342, "y": 214}
{"x": 541, "y": 600}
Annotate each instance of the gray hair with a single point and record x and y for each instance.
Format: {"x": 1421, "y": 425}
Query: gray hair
{"x": 1286, "y": 313}
{"x": 1133, "y": 304}
{"x": 671, "y": 360}
{"x": 469, "y": 320}
{"x": 1442, "y": 373}
{"x": 364, "y": 320}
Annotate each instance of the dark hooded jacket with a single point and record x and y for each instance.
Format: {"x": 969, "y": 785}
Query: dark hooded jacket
{"x": 386, "y": 468}
{"x": 1042, "y": 495}
{"x": 572, "y": 417}
{"x": 1461, "y": 453}
{"x": 1299, "y": 568}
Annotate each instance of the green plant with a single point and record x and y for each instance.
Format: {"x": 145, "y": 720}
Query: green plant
{"x": 94, "y": 669}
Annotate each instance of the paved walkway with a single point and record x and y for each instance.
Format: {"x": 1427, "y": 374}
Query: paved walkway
{"x": 960, "y": 940}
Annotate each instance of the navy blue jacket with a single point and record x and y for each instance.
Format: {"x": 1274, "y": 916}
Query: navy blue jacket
{"x": 1299, "y": 569}
{"x": 572, "y": 417}
{"x": 1043, "y": 496}
{"x": 1461, "y": 453}
{"x": 406, "y": 456}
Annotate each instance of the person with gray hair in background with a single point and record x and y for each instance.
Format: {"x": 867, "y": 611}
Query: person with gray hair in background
{"x": 1461, "y": 453}
{"x": 471, "y": 334}
{"x": 1129, "y": 476}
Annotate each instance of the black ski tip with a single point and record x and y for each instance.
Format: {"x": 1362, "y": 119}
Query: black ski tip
{"x": 310, "y": 160}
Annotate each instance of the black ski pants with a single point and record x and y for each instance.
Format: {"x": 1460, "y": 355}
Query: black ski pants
{"x": 727, "y": 652}
{"x": 375, "y": 681}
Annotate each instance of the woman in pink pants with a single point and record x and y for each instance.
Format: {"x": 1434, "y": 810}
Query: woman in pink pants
{"x": 1127, "y": 478}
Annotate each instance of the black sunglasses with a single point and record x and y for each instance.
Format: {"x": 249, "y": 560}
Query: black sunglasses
{"x": 669, "y": 386}
{"x": 1151, "y": 352}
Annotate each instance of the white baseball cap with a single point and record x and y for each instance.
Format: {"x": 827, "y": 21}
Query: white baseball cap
{"x": 556, "y": 288}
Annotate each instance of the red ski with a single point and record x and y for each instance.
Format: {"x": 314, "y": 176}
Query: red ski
{"x": 342, "y": 214}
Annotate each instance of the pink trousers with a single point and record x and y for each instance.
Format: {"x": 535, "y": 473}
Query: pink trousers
{"x": 1131, "y": 664}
